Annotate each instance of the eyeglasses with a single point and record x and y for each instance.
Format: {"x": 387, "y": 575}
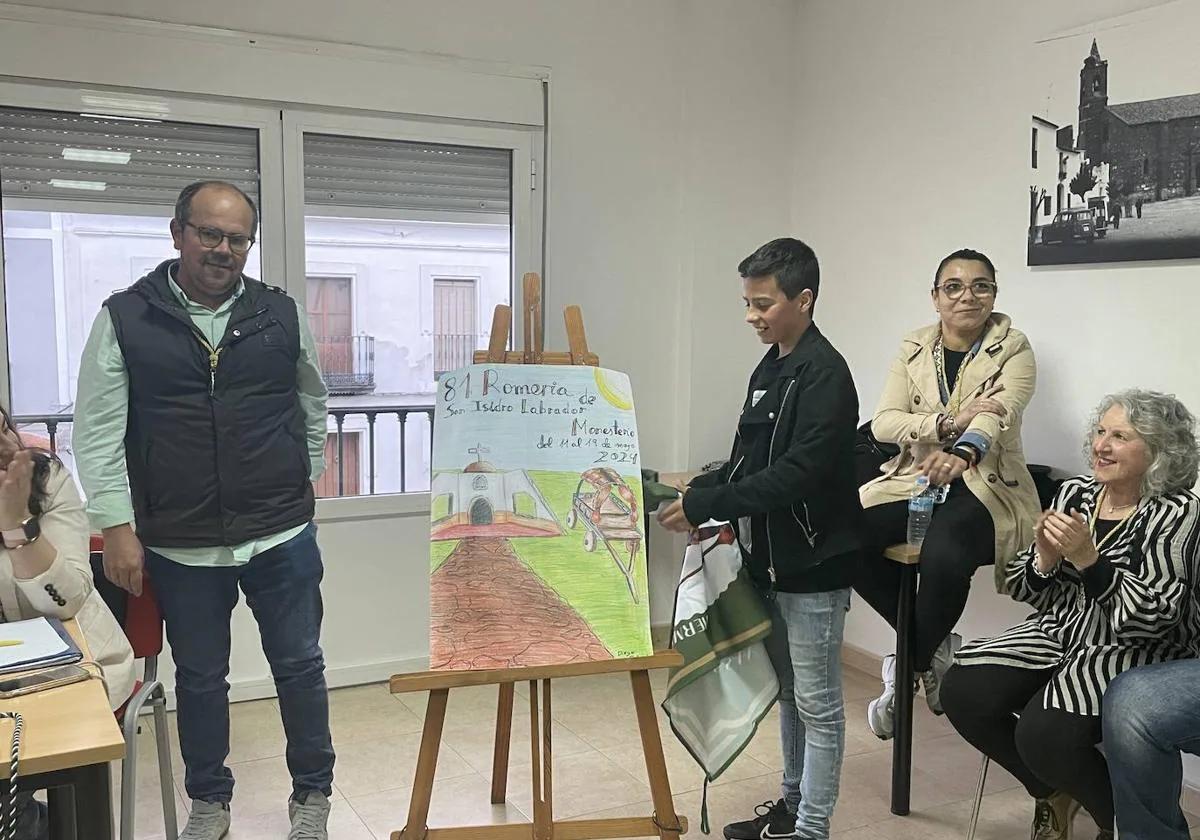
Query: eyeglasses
{"x": 239, "y": 243}
{"x": 953, "y": 289}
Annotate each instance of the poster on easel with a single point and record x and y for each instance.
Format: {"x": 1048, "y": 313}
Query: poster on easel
{"x": 537, "y": 534}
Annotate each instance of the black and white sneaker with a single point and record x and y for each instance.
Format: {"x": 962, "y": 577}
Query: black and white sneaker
{"x": 772, "y": 821}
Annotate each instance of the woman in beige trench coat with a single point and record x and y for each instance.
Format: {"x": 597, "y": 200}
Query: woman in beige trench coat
{"x": 45, "y": 571}
{"x": 952, "y": 402}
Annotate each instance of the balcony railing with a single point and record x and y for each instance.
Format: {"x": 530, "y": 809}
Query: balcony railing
{"x": 347, "y": 363}
{"x": 372, "y": 413}
{"x": 49, "y": 428}
{"x": 452, "y": 351}
{"x": 50, "y": 422}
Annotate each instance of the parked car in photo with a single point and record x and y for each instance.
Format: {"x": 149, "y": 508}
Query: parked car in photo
{"x": 1075, "y": 225}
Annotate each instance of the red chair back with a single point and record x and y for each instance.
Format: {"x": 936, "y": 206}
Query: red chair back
{"x": 143, "y": 624}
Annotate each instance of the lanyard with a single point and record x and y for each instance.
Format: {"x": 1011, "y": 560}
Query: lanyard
{"x": 952, "y": 399}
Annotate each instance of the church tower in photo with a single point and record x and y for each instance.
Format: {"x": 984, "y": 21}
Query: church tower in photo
{"x": 1093, "y": 103}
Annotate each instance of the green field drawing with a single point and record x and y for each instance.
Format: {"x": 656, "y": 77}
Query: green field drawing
{"x": 440, "y": 508}
{"x": 589, "y": 580}
{"x": 439, "y": 550}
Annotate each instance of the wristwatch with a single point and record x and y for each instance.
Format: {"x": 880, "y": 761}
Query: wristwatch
{"x": 26, "y": 534}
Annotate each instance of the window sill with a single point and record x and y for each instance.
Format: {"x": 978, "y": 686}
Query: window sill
{"x": 359, "y": 508}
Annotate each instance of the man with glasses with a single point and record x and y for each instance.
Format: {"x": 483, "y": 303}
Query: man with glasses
{"x": 199, "y": 429}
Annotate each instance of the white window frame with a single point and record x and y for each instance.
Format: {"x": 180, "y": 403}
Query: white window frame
{"x": 281, "y": 128}
{"x": 53, "y": 235}
{"x": 526, "y": 147}
{"x": 264, "y": 119}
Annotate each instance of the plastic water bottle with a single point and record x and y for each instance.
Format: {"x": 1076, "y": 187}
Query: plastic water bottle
{"x": 920, "y": 511}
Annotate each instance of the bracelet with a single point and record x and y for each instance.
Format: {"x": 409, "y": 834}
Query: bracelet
{"x": 947, "y": 428}
{"x": 1033, "y": 565}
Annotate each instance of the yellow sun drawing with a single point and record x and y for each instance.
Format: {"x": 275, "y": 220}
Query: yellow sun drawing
{"x": 613, "y": 390}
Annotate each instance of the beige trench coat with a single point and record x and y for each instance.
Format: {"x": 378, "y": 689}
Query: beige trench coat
{"x": 907, "y": 416}
{"x": 65, "y": 590}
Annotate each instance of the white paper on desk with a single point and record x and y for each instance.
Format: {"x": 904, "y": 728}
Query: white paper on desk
{"x": 39, "y": 641}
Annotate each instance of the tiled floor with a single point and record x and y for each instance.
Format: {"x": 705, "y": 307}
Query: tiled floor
{"x": 598, "y": 769}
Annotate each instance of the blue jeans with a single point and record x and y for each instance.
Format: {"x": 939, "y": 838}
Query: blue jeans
{"x": 1151, "y": 715}
{"x": 805, "y": 646}
{"x": 283, "y": 590}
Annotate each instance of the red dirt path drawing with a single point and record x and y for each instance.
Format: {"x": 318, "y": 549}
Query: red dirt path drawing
{"x": 476, "y": 595}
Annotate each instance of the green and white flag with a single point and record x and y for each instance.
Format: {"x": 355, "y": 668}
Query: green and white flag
{"x": 726, "y": 685}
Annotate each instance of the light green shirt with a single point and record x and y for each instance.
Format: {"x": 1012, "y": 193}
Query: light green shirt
{"x": 102, "y": 412}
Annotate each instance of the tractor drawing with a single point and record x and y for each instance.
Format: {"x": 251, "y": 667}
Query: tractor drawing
{"x": 608, "y": 509}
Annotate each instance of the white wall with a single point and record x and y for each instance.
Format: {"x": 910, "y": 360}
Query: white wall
{"x": 670, "y": 159}
{"x": 927, "y": 127}
{"x": 670, "y": 132}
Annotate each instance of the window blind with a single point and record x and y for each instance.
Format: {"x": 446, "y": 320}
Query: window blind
{"x": 394, "y": 175}
{"x": 55, "y": 157}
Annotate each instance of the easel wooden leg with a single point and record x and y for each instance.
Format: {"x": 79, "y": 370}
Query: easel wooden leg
{"x": 540, "y": 721}
{"x": 664, "y": 823}
{"x": 656, "y": 766}
{"x": 504, "y": 713}
{"x": 422, "y": 792}
{"x": 547, "y": 760}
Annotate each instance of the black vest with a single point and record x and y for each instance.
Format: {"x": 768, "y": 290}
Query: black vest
{"x": 216, "y": 454}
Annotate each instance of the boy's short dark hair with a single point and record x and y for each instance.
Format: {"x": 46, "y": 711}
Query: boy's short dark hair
{"x": 792, "y": 263}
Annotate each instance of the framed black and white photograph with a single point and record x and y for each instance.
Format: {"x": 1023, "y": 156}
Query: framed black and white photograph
{"x": 1115, "y": 142}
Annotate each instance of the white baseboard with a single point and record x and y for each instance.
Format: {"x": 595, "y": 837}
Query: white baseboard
{"x": 241, "y": 691}
{"x": 346, "y": 676}
{"x": 370, "y": 673}
{"x": 861, "y": 660}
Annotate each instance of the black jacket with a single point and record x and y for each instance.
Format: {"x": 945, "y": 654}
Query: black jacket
{"x": 216, "y": 454}
{"x": 792, "y": 468}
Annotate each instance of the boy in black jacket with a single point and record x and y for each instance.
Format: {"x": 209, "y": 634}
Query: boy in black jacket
{"x": 790, "y": 490}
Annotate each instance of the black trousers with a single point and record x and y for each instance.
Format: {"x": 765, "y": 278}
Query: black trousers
{"x": 961, "y": 538}
{"x": 1047, "y": 750}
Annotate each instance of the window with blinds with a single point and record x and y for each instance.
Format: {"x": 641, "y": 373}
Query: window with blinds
{"x": 393, "y": 175}
{"x": 50, "y": 156}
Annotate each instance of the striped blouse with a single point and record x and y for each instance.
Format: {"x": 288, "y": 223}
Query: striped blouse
{"x": 1135, "y": 606}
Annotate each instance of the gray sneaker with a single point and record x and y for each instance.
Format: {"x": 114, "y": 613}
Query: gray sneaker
{"x": 931, "y": 680}
{"x": 209, "y": 821}
{"x": 310, "y": 818}
{"x": 881, "y": 712}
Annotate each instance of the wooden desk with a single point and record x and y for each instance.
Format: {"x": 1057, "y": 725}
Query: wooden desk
{"x": 70, "y": 736}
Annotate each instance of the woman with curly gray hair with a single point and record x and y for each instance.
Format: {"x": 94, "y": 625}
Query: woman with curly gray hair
{"x": 1111, "y": 572}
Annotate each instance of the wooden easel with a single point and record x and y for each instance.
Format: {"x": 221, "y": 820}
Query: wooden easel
{"x": 664, "y": 823}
